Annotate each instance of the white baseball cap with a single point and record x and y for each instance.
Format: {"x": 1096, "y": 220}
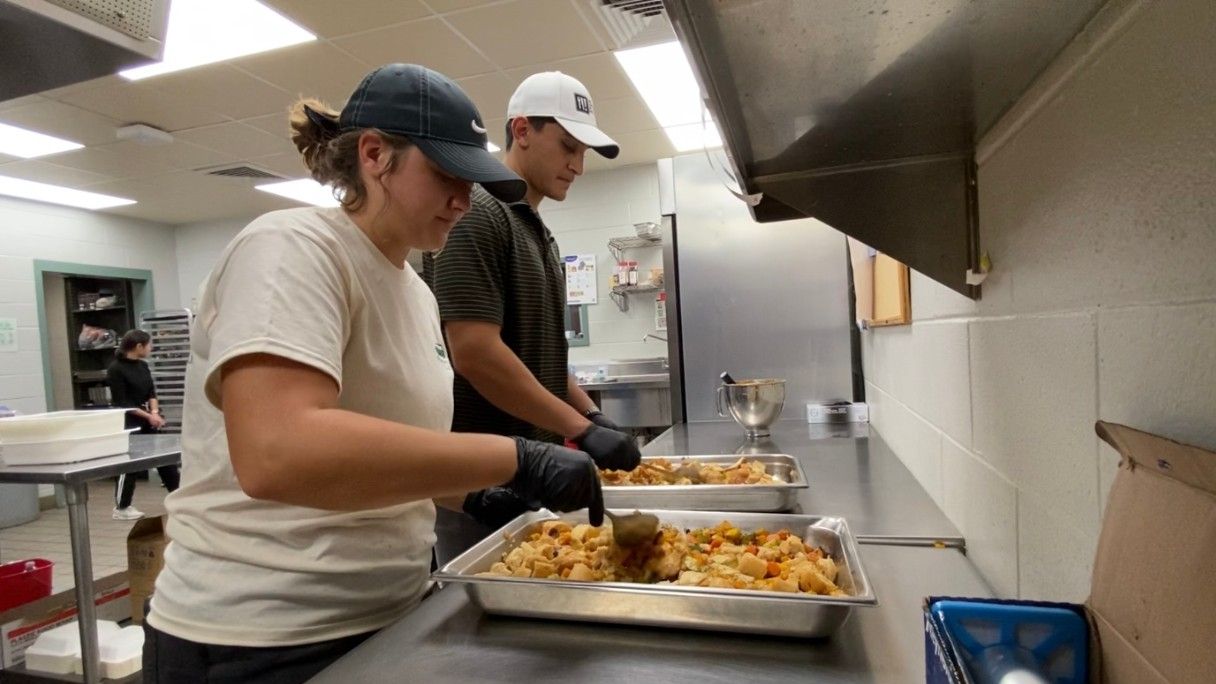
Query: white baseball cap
{"x": 554, "y": 94}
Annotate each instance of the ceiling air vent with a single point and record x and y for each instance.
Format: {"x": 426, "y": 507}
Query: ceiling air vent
{"x": 240, "y": 171}
{"x": 632, "y": 23}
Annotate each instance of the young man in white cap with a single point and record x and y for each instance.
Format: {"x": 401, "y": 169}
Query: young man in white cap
{"x": 501, "y": 289}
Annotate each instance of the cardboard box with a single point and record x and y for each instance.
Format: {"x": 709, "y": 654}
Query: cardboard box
{"x": 145, "y": 557}
{"x": 1152, "y": 608}
{"x": 20, "y": 627}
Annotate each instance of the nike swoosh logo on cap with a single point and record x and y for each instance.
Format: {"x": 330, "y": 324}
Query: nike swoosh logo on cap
{"x": 476, "y": 128}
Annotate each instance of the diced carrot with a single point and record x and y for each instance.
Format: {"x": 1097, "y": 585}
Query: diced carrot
{"x": 784, "y": 534}
{"x": 751, "y": 548}
{"x": 774, "y": 569}
{"x": 715, "y": 543}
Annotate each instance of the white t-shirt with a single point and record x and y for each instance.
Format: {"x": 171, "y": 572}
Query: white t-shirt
{"x": 308, "y": 285}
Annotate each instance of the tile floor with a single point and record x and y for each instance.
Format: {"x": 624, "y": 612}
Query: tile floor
{"x": 47, "y": 537}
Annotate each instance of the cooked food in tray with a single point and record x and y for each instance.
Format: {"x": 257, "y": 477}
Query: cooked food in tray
{"x": 661, "y": 471}
{"x": 721, "y": 557}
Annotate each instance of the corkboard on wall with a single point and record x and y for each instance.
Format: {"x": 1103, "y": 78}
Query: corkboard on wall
{"x": 892, "y": 292}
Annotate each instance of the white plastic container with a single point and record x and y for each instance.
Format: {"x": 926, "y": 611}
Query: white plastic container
{"x": 58, "y": 650}
{"x": 44, "y": 427}
{"x": 121, "y": 653}
{"x": 59, "y": 451}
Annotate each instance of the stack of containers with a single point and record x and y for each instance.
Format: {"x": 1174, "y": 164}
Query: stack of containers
{"x": 62, "y": 437}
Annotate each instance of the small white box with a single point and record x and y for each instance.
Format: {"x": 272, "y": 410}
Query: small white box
{"x": 857, "y": 412}
{"x": 59, "y": 451}
{"x": 45, "y": 427}
{"x": 58, "y": 650}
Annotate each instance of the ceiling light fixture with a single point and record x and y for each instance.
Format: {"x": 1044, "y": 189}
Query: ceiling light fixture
{"x": 19, "y": 142}
{"x": 57, "y": 194}
{"x": 208, "y": 31}
{"x": 662, "y": 76}
{"x": 303, "y": 190}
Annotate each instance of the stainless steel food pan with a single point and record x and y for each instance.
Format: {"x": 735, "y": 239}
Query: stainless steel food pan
{"x": 729, "y": 610}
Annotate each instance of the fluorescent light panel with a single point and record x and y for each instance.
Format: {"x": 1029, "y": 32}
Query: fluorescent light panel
{"x": 57, "y": 194}
{"x": 303, "y": 190}
{"x": 207, "y": 31}
{"x": 663, "y": 77}
{"x": 19, "y": 142}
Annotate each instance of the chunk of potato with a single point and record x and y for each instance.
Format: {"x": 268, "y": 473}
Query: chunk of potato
{"x": 749, "y": 564}
{"x": 581, "y": 573}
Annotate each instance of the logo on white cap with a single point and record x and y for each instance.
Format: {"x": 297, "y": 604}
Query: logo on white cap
{"x": 554, "y": 94}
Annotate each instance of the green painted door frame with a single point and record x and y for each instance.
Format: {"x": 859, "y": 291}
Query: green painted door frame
{"x": 141, "y": 290}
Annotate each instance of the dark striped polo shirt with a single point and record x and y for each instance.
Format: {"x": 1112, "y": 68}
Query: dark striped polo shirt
{"x": 501, "y": 265}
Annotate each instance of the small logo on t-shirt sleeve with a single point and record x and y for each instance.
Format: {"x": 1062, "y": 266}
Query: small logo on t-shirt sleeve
{"x": 441, "y": 352}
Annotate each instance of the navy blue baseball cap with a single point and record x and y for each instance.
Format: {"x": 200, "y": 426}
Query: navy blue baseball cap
{"x": 436, "y": 115}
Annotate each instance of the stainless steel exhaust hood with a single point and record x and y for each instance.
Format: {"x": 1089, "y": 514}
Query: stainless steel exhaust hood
{"x": 865, "y": 114}
{"x": 47, "y": 44}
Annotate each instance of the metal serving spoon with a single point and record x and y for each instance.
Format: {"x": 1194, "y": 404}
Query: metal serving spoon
{"x": 633, "y": 529}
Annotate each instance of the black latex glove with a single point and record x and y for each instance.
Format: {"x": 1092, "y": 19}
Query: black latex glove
{"x": 610, "y": 449}
{"x": 595, "y": 416}
{"x": 560, "y": 479}
{"x": 496, "y": 506}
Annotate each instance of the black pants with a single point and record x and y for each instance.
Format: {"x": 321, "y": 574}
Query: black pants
{"x": 124, "y": 489}
{"x": 170, "y": 660}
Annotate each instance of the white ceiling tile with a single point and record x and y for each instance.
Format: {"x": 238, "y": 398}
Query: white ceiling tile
{"x": 636, "y": 147}
{"x": 45, "y": 172}
{"x": 91, "y": 84}
{"x": 427, "y": 41}
{"x": 490, "y": 92}
{"x": 186, "y": 197}
{"x": 442, "y": 6}
{"x": 21, "y": 102}
{"x": 274, "y": 124}
{"x": 176, "y": 155}
{"x": 599, "y": 72}
{"x": 136, "y": 103}
{"x": 220, "y": 88}
{"x": 623, "y": 115}
{"x": 317, "y": 70}
{"x": 238, "y": 140}
{"x": 526, "y": 31}
{"x": 110, "y": 161}
{"x": 288, "y": 164}
{"x": 328, "y": 18}
{"x": 64, "y": 121}
{"x": 9, "y": 159}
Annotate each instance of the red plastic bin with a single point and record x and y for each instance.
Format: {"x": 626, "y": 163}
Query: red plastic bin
{"x": 24, "y": 581}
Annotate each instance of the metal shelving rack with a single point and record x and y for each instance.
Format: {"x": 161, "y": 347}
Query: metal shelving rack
{"x": 617, "y": 246}
{"x": 170, "y": 331}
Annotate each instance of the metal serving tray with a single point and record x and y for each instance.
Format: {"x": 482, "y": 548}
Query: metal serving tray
{"x": 782, "y": 496}
{"x": 667, "y": 605}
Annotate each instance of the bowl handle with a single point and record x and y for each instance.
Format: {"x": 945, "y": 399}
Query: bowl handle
{"x": 722, "y": 413}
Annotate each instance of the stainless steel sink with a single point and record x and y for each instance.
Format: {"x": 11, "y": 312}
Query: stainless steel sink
{"x": 634, "y": 392}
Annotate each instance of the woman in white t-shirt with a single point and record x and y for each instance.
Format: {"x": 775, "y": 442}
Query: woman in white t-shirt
{"x": 319, "y": 401}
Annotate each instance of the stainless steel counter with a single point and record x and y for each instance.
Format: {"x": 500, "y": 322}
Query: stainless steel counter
{"x": 145, "y": 451}
{"x": 851, "y": 472}
{"x": 447, "y": 639}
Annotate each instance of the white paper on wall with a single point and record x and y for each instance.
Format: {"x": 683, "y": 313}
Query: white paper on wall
{"x": 580, "y": 279}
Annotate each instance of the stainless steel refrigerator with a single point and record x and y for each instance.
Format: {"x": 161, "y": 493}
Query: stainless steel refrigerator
{"x": 755, "y": 300}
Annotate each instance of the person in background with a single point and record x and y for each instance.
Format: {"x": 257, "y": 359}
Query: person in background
{"x": 501, "y": 288}
{"x": 319, "y": 403}
{"x": 132, "y": 388}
